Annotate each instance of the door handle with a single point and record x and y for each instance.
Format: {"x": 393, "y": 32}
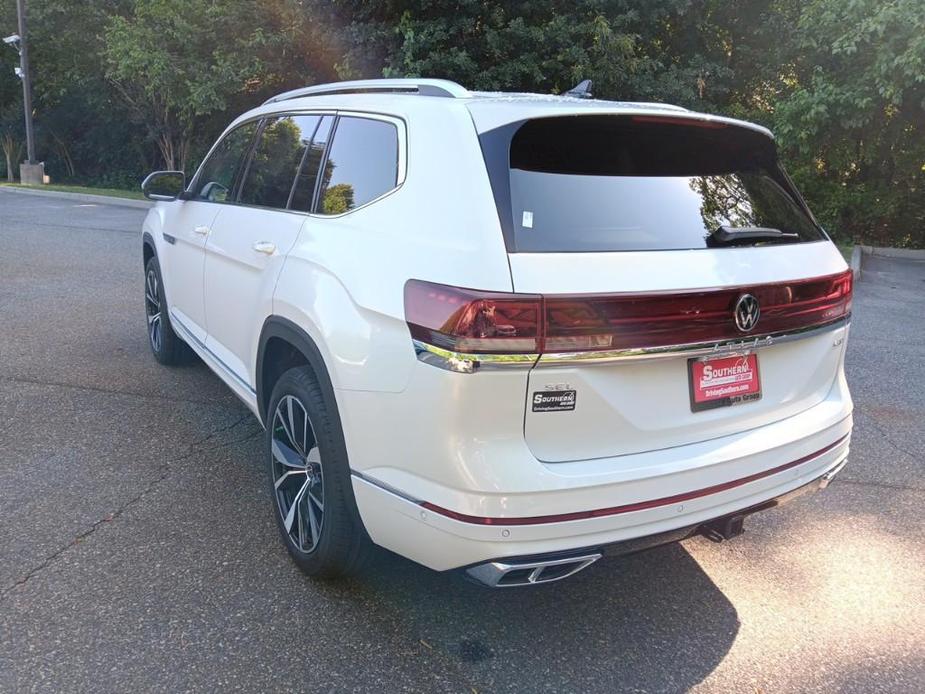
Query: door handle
{"x": 201, "y": 230}
{"x": 265, "y": 247}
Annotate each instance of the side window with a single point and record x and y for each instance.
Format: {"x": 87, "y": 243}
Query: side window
{"x": 280, "y": 149}
{"x": 218, "y": 175}
{"x": 304, "y": 189}
{"x": 362, "y": 164}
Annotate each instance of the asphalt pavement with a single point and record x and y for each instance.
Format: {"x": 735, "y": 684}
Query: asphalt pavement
{"x": 138, "y": 550}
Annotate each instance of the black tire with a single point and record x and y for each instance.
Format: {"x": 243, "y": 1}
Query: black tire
{"x": 341, "y": 546}
{"x": 166, "y": 347}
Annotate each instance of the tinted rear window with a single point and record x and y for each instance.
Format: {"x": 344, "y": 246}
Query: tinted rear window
{"x": 304, "y": 191}
{"x": 362, "y": 164}
{"x": 615, "y": 183}
{"x": 276, "y": 160}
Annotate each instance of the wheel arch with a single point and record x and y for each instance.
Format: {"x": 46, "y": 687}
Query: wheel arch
{"x": 148, "y": 248}
{"x": 283, "y": 345}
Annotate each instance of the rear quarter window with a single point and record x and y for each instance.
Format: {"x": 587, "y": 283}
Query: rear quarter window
{"x": 362, "y": 164}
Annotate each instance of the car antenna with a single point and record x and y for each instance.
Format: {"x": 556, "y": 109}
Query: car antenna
{"x": 582, "y": 90}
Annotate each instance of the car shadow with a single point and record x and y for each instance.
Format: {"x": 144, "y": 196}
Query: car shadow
{"x": 652, "y": 621}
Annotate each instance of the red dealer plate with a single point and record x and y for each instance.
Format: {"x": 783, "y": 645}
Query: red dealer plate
{"x": 724, "y": 381}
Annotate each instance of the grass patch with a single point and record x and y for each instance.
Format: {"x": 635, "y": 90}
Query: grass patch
{"x": 87, "y": 190}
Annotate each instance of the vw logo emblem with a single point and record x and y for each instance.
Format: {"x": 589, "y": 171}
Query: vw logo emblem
{"x": 747, "y": 312}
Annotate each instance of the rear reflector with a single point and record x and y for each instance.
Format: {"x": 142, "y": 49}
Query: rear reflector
{"x": 472, "y": 322}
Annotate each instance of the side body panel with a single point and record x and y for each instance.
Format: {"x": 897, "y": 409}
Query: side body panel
{"x": 244, "y": 255}
{"x": 186, "y": 224}
{"x": 343, "y": 281}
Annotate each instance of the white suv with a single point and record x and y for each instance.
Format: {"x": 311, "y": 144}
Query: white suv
{"x": 509, "y": 333}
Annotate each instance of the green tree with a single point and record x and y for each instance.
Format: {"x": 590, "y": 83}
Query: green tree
{"x": 176, "y": 62}
{"x": 11, "y": 114}
{"x": 631, "y": 50}
{"x": 854, "y": 123}
{"x": 12, "y": 142}
{"x": 182, "y": 65}
{"x": 338, "y": 199}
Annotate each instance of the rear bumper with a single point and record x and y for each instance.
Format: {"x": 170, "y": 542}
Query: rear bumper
{"x": 742, "y": 485}
{"x": 520, "y": 571}
{"x": 709, "y": 528}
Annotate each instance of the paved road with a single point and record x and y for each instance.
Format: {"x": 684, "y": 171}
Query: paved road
{"x": 137, "y": 549}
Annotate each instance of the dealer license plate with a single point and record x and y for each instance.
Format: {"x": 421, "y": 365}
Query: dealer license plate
{"x": 723, "y": 381}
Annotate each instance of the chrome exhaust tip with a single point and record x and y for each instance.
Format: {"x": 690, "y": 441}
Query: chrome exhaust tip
{"x": 500, "y": 574}
{"x": 827, "y": 478}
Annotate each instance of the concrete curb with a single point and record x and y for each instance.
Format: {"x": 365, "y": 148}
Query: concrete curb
{"x": 82, "y": 197}
{"x": 884, "y": 252}
{"x": 858, "y": 253}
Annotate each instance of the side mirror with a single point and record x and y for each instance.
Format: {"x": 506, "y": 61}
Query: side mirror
{"x": 164, "y": 185}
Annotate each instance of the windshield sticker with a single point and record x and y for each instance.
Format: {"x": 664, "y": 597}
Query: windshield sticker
{"x": 527, "y": 222}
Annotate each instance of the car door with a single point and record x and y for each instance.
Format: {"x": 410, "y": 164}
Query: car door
{"x": 192, "y": 220}
{"x": 249, "y": 241}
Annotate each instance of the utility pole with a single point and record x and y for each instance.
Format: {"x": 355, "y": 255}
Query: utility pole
{"x": 31, "y": 172}
{"x": 26, "y": 81}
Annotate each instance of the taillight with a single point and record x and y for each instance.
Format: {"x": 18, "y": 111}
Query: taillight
{"x": 469, "y": 321}
{"x": 640, "y": 321}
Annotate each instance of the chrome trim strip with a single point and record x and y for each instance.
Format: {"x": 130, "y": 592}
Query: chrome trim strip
{"x": 175, "y": 320}
{"x": 694, "y": 349}
{"x": 469, "y": 363}
{"x": 385, "y": 487}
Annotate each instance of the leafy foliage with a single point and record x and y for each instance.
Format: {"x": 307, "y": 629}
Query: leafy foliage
{"x": 124, "y": 86}
{"x": 854, "y": 124}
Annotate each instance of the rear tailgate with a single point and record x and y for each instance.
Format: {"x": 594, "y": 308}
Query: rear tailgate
{"x": 639, "y": 402}
{"x": 644, "y": 233}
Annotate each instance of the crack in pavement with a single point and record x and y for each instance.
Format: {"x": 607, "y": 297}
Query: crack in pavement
{"x": 111, "y": 391}
{"x": 165, "y": 470}
{"x": 883, "y": 433}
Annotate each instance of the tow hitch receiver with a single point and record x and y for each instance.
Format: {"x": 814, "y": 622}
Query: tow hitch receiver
{"x": 724, "y": 528}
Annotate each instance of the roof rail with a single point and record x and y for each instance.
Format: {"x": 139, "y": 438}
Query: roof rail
{"x": 409, "y": 85}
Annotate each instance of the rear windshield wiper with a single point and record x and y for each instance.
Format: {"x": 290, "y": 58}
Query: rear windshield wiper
{"x": 727, "y": 236}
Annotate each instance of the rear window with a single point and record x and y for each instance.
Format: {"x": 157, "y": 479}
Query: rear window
{"x": 616, "y": 183}
{"x": 277, "y": 158}
{"x": 304, "y": 190}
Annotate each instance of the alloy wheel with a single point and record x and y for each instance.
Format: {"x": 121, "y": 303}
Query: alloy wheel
{"x": 153, "y": 310}
{"x": 297, "y": 473}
